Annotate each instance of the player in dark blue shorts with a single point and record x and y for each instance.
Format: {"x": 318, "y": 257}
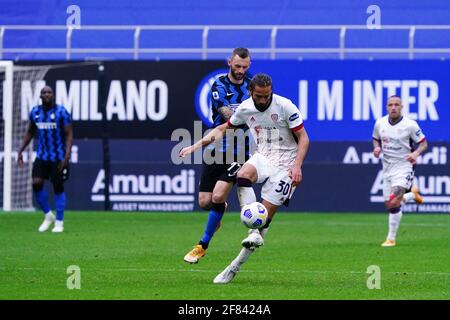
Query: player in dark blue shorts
{"x": 217, "y": 180}
{"x": 51, "y": 124}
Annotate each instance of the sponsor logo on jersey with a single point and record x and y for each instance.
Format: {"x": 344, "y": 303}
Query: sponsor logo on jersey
{"x": 294, "y": 117}
{"x": 46, "y": 125}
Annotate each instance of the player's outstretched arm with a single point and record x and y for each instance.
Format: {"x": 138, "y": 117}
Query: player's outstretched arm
{"x": 302, "y": 149}
{"x": 27, "y": 137}
{"x": 214, "y": 135}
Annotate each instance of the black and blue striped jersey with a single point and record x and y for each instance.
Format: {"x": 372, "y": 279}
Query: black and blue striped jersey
{"x": 49, "y": 125}
{"x": 224, "y": 93}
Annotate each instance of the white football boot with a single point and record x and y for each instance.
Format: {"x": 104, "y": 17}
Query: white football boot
{"x": 48, "y": 220}
{"x": 226, "y": 275}
{"x": 59, "y": 226}
{"x": 254, "y": 239}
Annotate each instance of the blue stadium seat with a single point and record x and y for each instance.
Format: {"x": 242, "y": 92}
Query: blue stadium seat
{"x": 233, "y": 12}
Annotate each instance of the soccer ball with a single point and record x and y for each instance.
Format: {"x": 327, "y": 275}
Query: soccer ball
{"x": 254, "y": 215}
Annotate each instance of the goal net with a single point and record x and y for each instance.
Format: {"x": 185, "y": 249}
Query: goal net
{"x": 15, "y": 183}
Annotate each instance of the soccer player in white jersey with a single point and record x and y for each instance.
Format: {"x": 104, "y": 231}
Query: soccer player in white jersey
{"x": 282, "y": 143}
{"x": 394, "y": 135}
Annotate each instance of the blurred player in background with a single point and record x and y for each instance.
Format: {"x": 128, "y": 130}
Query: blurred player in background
{"x": 52, "y": 125}
{"x": 217, "y": 179}
{"x": 276, "y": 125}
{"x": 393, "y": 135}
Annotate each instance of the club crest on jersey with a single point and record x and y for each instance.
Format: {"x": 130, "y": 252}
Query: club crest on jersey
{"x": 52, "y": 116}
{"x": 274, "y": 117}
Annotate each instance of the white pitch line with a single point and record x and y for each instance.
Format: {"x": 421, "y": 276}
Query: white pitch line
{"x": 369, "y": 224}
{"x": 211, "y": 271}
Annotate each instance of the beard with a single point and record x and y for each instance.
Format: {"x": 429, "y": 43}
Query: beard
{"x": 237, "y": 76}
{"x": 263, "y": 107}
{"x": 47, "y": 101}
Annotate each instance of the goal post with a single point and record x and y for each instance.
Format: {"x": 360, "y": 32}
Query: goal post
{"x": 20, "y": 85}
{"x": 7, "y": 101}
{"x": 15, "y": 183}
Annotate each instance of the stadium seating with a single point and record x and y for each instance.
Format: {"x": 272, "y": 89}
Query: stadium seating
{"x": 204, "y": 12}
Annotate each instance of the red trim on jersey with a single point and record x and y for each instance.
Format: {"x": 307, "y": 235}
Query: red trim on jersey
{"x": 297, "y": 128}
{"x": 423, "y": 139}
{"x": 230, "y": 124}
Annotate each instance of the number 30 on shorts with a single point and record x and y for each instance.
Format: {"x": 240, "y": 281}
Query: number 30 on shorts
{"x": 284, "y": 188}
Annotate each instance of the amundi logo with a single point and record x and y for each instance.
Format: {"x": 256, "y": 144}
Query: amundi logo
{"x": 203, "y": 96}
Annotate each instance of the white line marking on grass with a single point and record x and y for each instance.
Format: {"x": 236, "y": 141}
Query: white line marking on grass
{"x": 150, "y": 270}
{"x": 366, "y": 224}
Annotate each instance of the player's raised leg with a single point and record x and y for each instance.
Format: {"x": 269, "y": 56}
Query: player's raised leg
{"x": 414, "y": 195}
{"x": 254, "y": 240}
{"x": 255, "y": 237}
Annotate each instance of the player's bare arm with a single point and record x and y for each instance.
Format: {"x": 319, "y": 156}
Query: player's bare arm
{"x": 413, "y": 155}
{"x": 226, "y": 112}
{"x": 376, "y": 147}
{"x": 302, "y": 148}
{"x": 217, "y": 133}
{"x": 68, "y": 133}
{"x": 28, "y": 136}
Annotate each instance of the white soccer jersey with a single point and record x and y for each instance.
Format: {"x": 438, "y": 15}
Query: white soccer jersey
{"x": 272, "y": 129}
{"x": 396, "y": 140}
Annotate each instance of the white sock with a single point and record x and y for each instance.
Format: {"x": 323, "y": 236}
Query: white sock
{"x": 408, "y": 197}
{"x": 394, "y": 223}
{"x": 263, "y": 231}
{"x": 242, "y": 257}
{"x": 246, "y": 195}
{"x": 246, "y": 253}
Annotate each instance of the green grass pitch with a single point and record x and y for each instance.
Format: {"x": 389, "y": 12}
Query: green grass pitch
{"x": 306, "y": 256}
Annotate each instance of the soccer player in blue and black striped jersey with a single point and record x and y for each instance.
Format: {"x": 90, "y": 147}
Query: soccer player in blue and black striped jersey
{"x": 51, "y": 124}
{"x": 217, "y": 180}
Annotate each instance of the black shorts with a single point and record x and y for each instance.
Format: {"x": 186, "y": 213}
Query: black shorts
{"x": 49, "y": 170}
{"x": 211, "y": 173}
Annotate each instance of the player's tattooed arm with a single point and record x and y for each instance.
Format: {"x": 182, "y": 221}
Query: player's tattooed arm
{"x": 212, "y": 136}
{"x": 226, "y": 112}
{"x": 413, "y": 155}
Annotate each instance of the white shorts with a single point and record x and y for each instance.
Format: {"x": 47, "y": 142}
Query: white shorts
{"x": 400, "y": 174}
{"x": 277, "y": 185}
